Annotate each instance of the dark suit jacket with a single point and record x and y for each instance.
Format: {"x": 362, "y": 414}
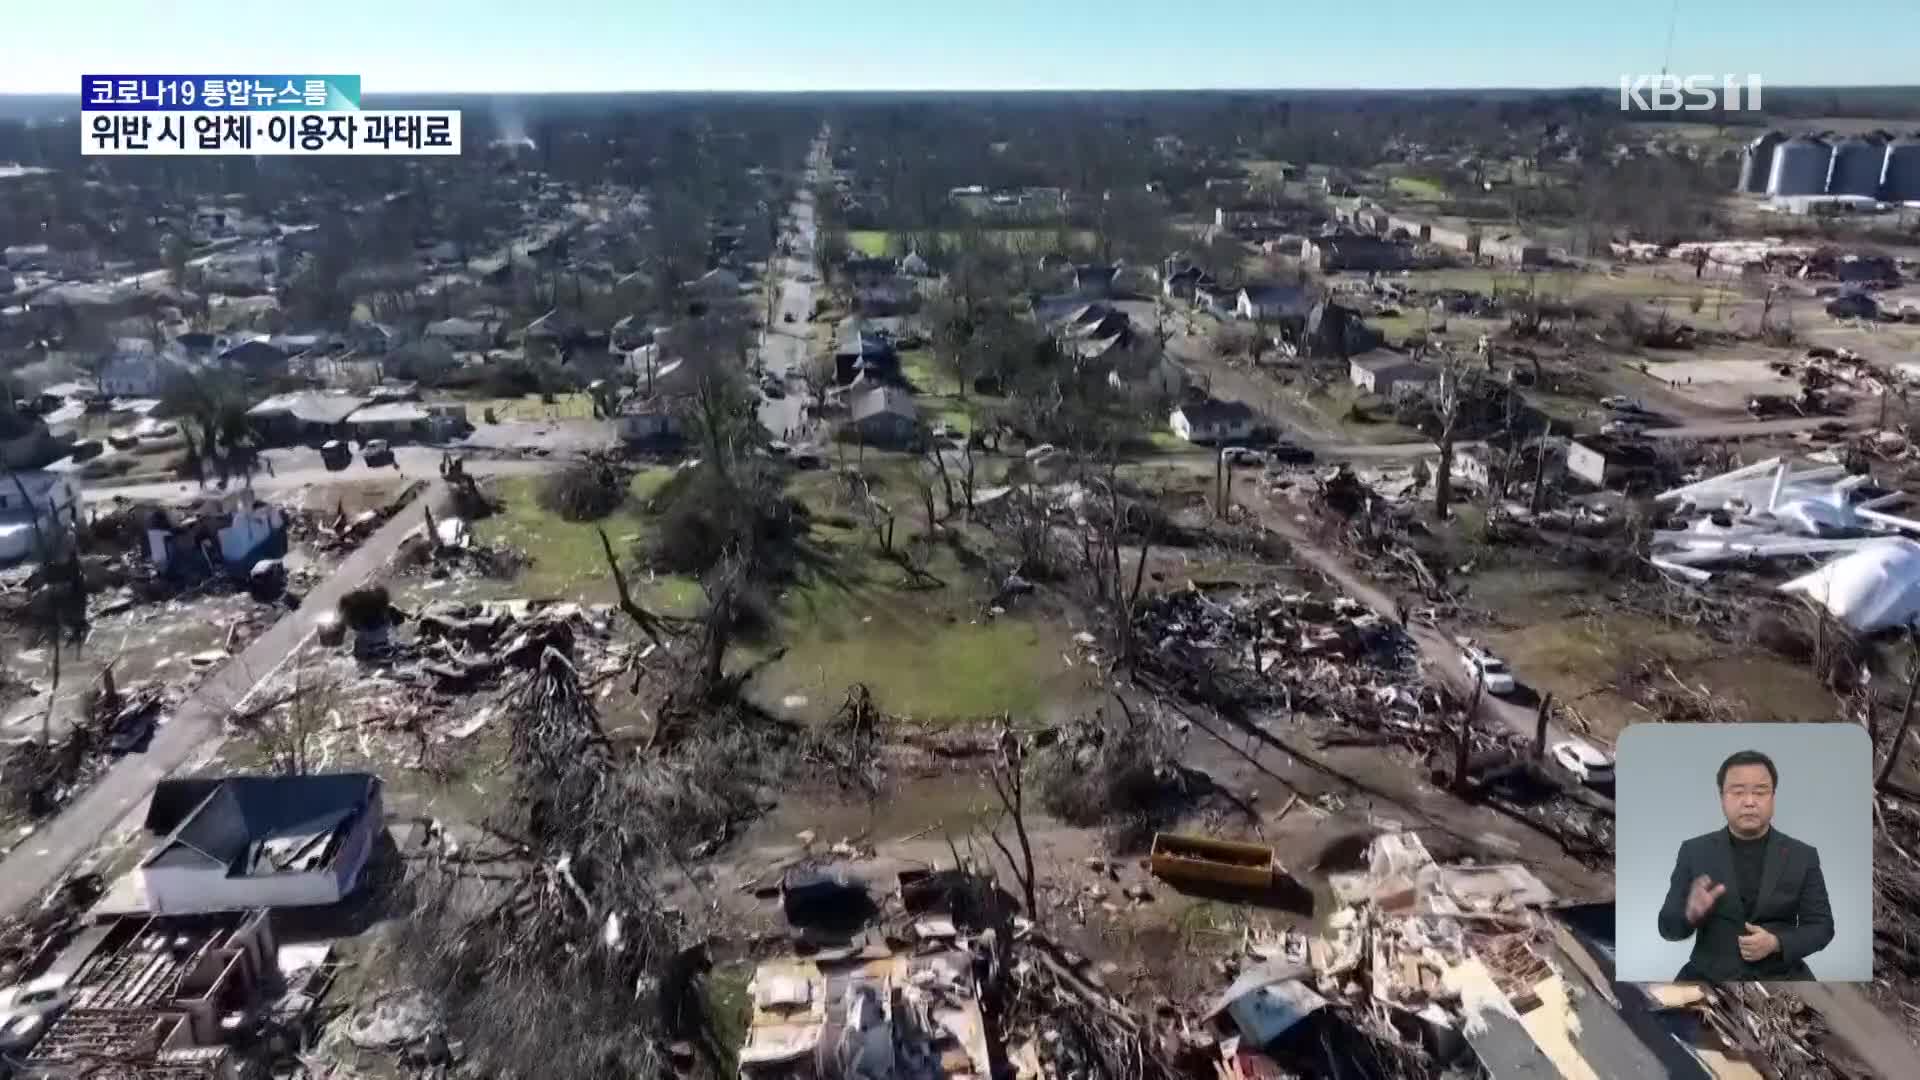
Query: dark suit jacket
{"x": 1792, "y": 905}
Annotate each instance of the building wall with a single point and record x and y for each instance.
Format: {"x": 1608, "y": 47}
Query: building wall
{"x": 181, "y": 890}
{"x": 885, "y": 429}
{"x": 1587, "y": 463}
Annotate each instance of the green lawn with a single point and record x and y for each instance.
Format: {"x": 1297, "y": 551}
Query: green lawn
{"x": 930, "y": 654}
{"x": 1165, "y": 441}
{"x": 1414, "y": 187}
{"x": 1334, "y": 404}
{"x": 877, "y": 242}
{"x": 868, "y": 242}
{"x": 568, "y": 561}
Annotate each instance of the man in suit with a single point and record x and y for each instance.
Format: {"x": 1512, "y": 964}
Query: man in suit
{"x": 1751, "y": 897}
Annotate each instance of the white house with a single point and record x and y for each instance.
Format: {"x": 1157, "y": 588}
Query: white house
{"x": 1274, "y": 302}
{"x": 50, "y": 497}
{"x": 646, "y": 421}
{"x": 1214, "y": 421}
{"x": 241, "y": 842}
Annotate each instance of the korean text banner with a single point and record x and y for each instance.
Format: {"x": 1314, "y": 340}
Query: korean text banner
{"x": 220, "y": 93}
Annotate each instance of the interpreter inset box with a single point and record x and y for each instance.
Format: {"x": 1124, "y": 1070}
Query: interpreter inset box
{"x": 1744, "y": 853}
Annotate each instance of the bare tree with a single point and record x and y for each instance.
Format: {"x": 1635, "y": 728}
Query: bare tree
{"x": 1454, "y": 385}
{"x": 1906, "y": 712}
{"x": 1009, "y": 784}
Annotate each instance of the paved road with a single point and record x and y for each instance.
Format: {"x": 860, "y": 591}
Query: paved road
{"x": 784, "y": 345}
{"x": 40, "y": 859}
{"x": 299, "y": 467}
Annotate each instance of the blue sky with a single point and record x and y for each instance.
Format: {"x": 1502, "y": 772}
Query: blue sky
{"x": 559, "y": 45}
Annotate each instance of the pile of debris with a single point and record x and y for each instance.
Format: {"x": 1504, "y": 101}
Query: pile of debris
{"x": 445, "y": 549}
{"x": 338, "y": 533}
{"x": 1275, "y": 646}
{"x": 1772, "y": 511}
{"x": 40, "y": 774}
{"x": 30, "y": 940}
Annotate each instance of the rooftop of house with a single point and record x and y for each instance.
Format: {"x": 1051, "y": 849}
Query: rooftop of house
{"x": 253, "y": 826}
{"x": 310, "y": 406}
{"x": 884, "y": 399}
{"x": 392, "y": 412}
{"x": 1620, "y": 450}
{"x": 1214, "y": 411}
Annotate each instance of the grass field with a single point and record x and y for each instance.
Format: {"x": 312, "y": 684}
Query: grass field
{"x": 877, "y": 242}
{"x": 929, "y": 652}
{"x": 1414, "y": 187}
{"x": 568, "y": 562}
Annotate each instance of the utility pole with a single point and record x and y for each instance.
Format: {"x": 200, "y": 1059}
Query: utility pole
{"x": 1540, "y": 726}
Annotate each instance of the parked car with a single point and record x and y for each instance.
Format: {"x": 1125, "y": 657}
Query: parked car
{"x": 1589, "y": 763}
{"x": 1487, "y": 669}
{"x": 807, "y": 459}
{"x": 28, "y": 1010}
{"x": 1620, "y": 403}
{"x": 1040, "y": 453}
{"x": 771, "y": 388}
{"x": 1242, "y": 456}
{"x": 788, "y": 317}
{"x": 1289, "y": 453}
{"x": 335, "y": 455}
{"x": 1622, "y": 427}
{"x": 376, "y": 452}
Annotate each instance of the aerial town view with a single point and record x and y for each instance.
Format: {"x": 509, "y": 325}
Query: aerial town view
{"x": 1007, "y": 541}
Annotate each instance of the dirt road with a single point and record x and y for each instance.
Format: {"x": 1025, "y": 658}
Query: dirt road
{"x": 39, "y": 860}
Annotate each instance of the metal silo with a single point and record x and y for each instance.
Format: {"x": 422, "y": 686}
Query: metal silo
{"x": 1857, "y": 164}
{"x": 1756, "y": 162}
{"x": 1799, "y": 167}
{"x": 1903, "y": 170}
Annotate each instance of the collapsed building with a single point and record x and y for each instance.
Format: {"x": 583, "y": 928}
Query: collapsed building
{"x": 158, "y": 998}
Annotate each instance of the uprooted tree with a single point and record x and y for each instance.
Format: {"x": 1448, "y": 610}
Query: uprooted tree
{"x": 549, "y": 941}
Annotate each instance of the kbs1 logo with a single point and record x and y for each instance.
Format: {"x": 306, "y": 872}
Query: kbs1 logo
{"x": 1689, "y": 93}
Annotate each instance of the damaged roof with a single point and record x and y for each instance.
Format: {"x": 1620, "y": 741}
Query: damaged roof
{"x": 255, "y": 825}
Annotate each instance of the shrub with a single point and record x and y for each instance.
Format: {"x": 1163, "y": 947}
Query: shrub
{"x": 585, "y": 490}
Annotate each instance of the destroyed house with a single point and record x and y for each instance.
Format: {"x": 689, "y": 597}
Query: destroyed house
{"x": 201, "y": 968}
{"x": 239, "y": 842}
{"x": 1327, "y": 253}
{"x": 89, "y": 1045}
{"x": 1607, "y": 462}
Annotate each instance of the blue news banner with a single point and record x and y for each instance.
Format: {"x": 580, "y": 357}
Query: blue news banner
{"x": 252, "y": 114}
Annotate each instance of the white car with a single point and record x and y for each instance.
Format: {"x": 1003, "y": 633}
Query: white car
{"x": 1622, "y": 404}
{"x": 28, "y": 1010}
{"x": 1240, "y": 455}
{"x": 1487, "y": 669}
{"x": 1585, "y": 761}
{"x": 1622, "y": 427}
{"x": 1040, "y": 453}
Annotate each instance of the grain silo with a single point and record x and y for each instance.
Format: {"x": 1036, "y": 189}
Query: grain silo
{"x": 1903, "y": 170}
{"x": 1756, "y": 162}
{"x": 1857, "y": 164}
{"x": 1800, "y": 167}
